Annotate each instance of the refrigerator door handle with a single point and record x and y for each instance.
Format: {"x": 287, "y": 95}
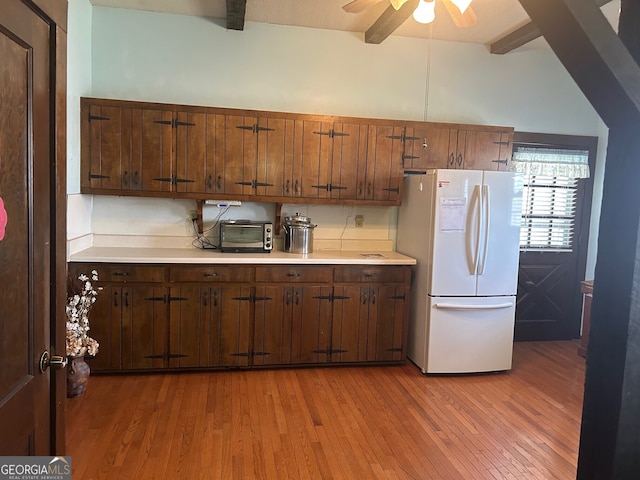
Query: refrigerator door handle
{"x": 473, "y": 244}
{"x": 486, "y": 221}
{"x": 457, "y": 306}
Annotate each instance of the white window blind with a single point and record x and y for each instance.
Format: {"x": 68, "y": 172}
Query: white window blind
{"x": 549, "y": 195}
{"x": 548, "y": 213}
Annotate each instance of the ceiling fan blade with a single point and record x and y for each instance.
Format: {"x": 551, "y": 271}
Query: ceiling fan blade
{"x": 388, "y": 22}
{"x": 357, "y": 6}
{"x": 461, "y": 20}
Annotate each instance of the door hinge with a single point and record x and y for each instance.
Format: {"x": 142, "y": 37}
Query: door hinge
{"x": 500, "y": 161}
{"x": 392, "y": 189}
{"x": 395, "y": 349}
{"x": 93, "y": 176}
{"x": 397, "y": 297}
{"x": 162, "y": 356}
{"x": 241, "y": 354}
{"x": 157, "y": 299}
{"x": 260, "y": 353}
{"x": 501, "y": 143}
{"x": 177, "y": 299}
{"x": 176, "y": 355}
{"x": 97, "y": 117}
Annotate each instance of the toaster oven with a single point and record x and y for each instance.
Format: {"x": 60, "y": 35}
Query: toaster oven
{"x": 246, "y": 236}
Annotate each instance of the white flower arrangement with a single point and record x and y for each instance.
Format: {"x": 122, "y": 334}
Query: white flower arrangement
{"x": 78, "y": 307}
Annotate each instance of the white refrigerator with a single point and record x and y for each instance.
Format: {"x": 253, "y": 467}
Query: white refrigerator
{"x": 463, "y": 228}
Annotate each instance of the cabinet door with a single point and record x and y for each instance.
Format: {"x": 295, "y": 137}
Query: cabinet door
{"x": 349, "y": 151}
{"x": 156, "y": 145}
{"x": 189, "y": 326}
{"x": 426, "y": 147}
{"x": 240, "y": 150}
{"x": 311, "y": 325}
{"x": 214, "y": 168}
{"x": 105, "y": 326}
{"x": 314, "y": 155}
{"x": 191, "y": 133}
{"x": 506, "y": 150}
{"x": 144, "y": 327}
{"x": 274, "y": 137}
{"x": 272, "y": 325}
{"x": 482, "y": 151}
{"x": 350, "y": 323}
{"x": 383, "y": 178}
{"x": 231, "y": 314}
{"x": 457, "y": 143}
{"x": 106, "y": 152}
{"x": 387, "y": 312}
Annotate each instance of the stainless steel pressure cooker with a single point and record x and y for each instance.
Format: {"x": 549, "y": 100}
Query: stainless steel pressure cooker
{"x": 298, "y": 234}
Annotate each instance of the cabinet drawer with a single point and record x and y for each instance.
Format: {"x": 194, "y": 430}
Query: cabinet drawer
{"x": 211, "y": 273}
{"x": 294, "y": 273}
{"x": 121, "y": 272}
{"x": 371, "y": 274}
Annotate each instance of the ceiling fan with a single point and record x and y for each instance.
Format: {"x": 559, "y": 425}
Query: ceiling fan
{"x": 398, "y": 11}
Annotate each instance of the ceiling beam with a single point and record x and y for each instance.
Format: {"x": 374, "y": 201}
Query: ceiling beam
{"x": 521, "y": 36}
{"x": 235, "y": 14}
{"x": 387, "y": 23}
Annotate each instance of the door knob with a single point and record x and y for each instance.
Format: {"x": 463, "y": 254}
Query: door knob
{"x": 56, "y": 362}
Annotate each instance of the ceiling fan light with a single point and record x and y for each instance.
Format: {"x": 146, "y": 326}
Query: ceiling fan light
{"x": 461, "y": 4}
{"x": 398, "y": 3}
{"x": 425, "y": 12}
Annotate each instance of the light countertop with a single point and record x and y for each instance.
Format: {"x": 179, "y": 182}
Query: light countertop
{"x": 196, "y": 255}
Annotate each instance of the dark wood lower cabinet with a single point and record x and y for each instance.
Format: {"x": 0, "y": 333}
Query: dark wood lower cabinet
{"x": 196, "y": 317}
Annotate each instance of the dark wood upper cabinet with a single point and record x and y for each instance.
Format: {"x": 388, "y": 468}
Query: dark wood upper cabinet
{"x": 177, "y": 151}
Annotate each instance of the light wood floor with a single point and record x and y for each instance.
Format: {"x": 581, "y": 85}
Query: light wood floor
{"x": 335, "y": 423}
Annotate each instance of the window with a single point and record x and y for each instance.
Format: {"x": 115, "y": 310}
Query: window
{"x": 548, "y": 208}
{"x": 549, "y": 195}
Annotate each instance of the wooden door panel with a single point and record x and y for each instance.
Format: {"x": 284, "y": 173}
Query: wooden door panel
{"x": 186, "y": 327}
{"x": 238, "y": 147}
{"x": 309, "y": 153}
{"x": 272, "y": 328}
{"x": 214, "y": 154}
{"x": 482, "y": 150}
{"x": 291, "y": 169}
{"x": 144, "y": 327}
{"x": 386, "y": 332}
{"x": 349, "y": 328}
{"x": 311, "y": 329}
{"x": 26, "y": 180}
{"x": 348, "y": 149}
{"x": 190, "y": 150}
{"x": 106, "y": 318}
{"x": 233, "y": 312}
{"x": 273, "y": 142}
{"x": 548, "y": 302}
{"x": 156, "y": 150}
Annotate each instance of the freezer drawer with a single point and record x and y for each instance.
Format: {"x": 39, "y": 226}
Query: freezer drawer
{"x": 469, "y": 334}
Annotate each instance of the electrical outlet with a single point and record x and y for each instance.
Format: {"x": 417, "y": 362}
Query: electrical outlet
{"x": 193, "y": 215}
{"x": 359, "y": 221}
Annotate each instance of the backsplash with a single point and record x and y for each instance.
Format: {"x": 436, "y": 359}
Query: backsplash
{"x": 128, "y": 221}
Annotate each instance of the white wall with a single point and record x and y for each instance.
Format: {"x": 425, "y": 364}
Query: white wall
{"x": 79, "y": 207}
{"x": 188, "y": 60}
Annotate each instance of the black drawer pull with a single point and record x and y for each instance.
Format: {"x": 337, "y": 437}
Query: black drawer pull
{"x": 213, "y": 274}
{"x": 120, "y": 274}
{"x": 293, "y": 274}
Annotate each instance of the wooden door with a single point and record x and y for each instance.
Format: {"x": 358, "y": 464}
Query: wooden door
{"x": 349, "y": 151}
{"x": 387, "y": 311}
{"x": 190, "y": 150}
{"x": 107, "y": 315}
{"x": 239, "y": 155}
{"x": 314, "y": 155}
{"x": 189, "y": 328}
{"x": 214, "y": 154}
{"x": 28, "y": 288}
{"x": 232, "y": 310}
{"x": 156, "y": 145}
{"x": 349, "y": 325}
{"x": 426, "y": 147}
{"x": 311, "y": 325}
{"x": 272, "y": 324}
{"x": 482, "y": 150}
{"x": 144, "y": 327}
{"x": 457, "y": 143}
{"x": 274, "y": 137}
{"x": 384, "y": 164}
